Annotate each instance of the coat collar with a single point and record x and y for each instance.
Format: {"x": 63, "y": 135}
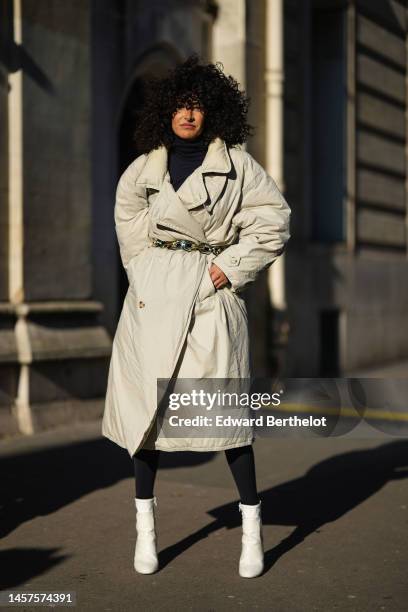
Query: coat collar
{"x": 217, "y": 160}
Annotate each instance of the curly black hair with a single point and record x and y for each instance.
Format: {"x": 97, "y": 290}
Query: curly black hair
{"x": 191, "y": 84}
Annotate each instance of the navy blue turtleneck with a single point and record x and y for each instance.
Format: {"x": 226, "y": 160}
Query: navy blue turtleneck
{"x": 184, "y": 157}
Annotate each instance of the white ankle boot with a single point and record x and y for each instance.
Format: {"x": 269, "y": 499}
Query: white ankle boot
{"x": 146, "y": 561}
{"x": 251, "y": 562}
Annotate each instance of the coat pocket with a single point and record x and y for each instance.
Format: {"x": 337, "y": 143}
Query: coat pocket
{"x": 207, "y": 288}
{"x": 239, "y": 302}
{"x": 135, "y": 273}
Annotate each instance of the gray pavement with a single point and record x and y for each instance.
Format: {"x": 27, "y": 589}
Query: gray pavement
{"x": 335, "y": 525}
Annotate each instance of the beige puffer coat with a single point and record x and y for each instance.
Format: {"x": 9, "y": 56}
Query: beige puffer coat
{"x": 174, "y": 322}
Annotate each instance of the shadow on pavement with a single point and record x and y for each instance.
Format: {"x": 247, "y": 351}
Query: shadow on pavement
{"x": 42, "y": 482}
{"x": 19, "y": 565}
{"x": 325, "y": 493}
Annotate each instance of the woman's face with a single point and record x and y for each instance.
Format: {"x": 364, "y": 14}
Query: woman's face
{"x": 188, "y": 123}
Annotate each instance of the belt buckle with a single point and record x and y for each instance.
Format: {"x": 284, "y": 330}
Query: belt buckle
{"x": 205, "y": 248}
{"x": 186, "y": 245}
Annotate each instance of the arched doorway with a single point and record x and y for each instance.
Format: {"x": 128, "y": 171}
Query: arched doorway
{"x": 155, "y": 62}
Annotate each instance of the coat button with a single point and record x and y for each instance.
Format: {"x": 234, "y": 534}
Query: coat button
{"x": 234, "y": 259}
{"x": 141, "y": 304}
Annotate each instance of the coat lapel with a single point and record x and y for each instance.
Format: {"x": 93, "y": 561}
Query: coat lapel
{"x": 175, "y": 215}
{"x": 214, "y": 173}
{"x": 204, "y": 187}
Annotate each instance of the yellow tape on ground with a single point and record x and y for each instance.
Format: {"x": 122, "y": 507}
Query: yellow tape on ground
{"x": 369, "y": 413}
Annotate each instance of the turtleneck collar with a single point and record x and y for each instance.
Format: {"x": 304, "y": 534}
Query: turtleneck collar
{"x": 184, "y": 157}
{"x": 186, "y": 147}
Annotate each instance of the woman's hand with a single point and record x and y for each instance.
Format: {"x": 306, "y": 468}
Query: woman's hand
{"x": 218, "y": 277}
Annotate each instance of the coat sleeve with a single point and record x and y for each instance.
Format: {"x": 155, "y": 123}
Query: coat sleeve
{"x": 262, "y": 223}
{"x": 131, "y": 213}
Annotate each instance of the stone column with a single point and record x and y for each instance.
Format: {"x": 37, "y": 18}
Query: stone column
{"x": 53, "y": 351}
{"x": 229, "y": 39}
{"x": 274, "y": 90}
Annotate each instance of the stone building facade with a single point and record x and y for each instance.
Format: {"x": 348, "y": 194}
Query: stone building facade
{"x": 328, "y": 87}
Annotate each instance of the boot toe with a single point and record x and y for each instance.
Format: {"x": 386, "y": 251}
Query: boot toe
{"x": 146, "y": 566}
{"x": 250, "y": 570}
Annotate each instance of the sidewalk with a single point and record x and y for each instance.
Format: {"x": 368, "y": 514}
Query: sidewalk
{"x": 334, "y": 509}
{"x": 397, "y": 369}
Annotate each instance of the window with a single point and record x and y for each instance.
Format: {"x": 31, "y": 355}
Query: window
{"x": 329, "y": 105}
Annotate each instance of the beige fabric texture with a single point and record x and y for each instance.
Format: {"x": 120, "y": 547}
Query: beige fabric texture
{"x": 174, "y": 322}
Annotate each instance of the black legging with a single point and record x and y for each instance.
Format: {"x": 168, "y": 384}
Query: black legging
{"x": 241, "y": 461}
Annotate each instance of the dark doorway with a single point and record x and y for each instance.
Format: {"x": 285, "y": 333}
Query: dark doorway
{"x": 127, "y": 146}
{"x": 329, "y": 343}
{"x": 127, "y": 154}
{"x": 158, "y": 65}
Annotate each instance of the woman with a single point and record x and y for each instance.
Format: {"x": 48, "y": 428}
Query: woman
{"x": 197, "y": 218}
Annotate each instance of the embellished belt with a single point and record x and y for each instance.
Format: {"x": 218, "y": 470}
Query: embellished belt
{"x": 188, "y": 245}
